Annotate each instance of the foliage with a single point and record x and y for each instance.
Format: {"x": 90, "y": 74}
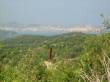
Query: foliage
{"x": 79, "y": 56}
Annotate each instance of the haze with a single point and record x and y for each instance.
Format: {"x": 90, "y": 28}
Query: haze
{"x": 54, "y": 12}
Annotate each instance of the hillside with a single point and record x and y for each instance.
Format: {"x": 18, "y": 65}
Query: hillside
{"x": 76, "y": 56}
{"x": 6, "y": 34}
{"x": 24, "y": 40}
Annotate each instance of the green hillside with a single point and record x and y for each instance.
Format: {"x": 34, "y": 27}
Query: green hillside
{"x": 77, "y": 57}
{"x": 25, "y": 40}
{"x": 6, "y": 34}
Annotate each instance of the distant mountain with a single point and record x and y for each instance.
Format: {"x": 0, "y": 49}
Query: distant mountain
{"x": 7, "y": 34}
{"x": 35, "y": 40}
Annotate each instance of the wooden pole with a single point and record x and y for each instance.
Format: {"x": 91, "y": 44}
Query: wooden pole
{"x": 56, "y": 55}
{"x": 51, "y": 55}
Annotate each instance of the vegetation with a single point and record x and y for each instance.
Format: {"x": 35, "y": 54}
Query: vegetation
{"x": 80, "y": 58}
{"x": 77, "y": 57}
{"x": 106, "y": 21}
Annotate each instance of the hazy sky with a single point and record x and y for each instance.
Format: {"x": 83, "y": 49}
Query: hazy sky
{"x": 65, "y": 12}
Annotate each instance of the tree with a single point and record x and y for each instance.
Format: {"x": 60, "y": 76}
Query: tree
{"x": 106, "y": 21}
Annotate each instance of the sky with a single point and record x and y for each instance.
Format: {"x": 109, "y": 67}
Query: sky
{"x": 54, "y": 12}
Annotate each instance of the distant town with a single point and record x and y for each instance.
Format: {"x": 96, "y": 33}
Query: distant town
{"x": 48, "y": 28}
